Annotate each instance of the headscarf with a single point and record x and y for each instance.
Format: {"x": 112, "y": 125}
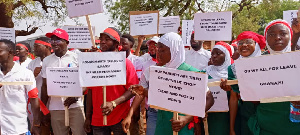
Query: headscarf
{"x": 218, "y": 72}
{"x": 175, "y": 43}
{"x": 285, "y": 23}
{"x": 260, "y": 42}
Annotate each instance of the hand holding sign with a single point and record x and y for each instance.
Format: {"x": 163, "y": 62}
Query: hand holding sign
{"x": 137, "y": 90}
{"x": 177, "y": 125}
{"x": 107, "y": 109}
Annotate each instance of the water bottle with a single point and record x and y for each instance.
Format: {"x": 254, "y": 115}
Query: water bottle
{"x": 294, "y": 113}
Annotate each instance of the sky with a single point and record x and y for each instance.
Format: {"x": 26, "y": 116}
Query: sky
{"x": 100, "y": 21}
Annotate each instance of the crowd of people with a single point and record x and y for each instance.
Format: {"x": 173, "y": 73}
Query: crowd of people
{"x": 27, "y": 109}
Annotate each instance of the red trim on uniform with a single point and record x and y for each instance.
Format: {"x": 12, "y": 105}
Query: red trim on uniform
{"x": 192, "y": 124}
{"x": 155, "y": 60}
{"x": 34, "y": 94}
{"x": 42, "y": 42}
{"x": 21, "y": 45}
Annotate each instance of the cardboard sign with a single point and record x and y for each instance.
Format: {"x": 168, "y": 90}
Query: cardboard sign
{"x": 143, "y": 22}
{"x": 290, "y": 15}
{"x": 169, "y": 24}
{"x": 187, "y": 29}
{"x": 178, "y": 91}
{"x": 63, "y": 82}
{"x": 102, "y": 69}
{"x": 77, "y": 8}
{"x": 220, "y": 97}
{"x": 7, "y": 33}
{"x": 269, "y": 76}
{"x": 214, "y": 26}
{"x": 79, "y": 36}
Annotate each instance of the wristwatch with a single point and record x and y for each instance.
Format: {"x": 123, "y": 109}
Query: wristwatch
{"x": 114, "y": 104}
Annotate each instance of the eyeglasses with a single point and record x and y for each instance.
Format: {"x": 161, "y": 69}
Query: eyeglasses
{"x": 52, "y": 41}
{"x": 247, "y": 42}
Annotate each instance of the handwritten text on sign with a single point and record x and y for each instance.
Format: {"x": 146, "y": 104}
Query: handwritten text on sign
{"x": 220, "y": 97}
{"x": 213, "y": 26}
{"x": 178, "y": 90}
{"x": 169, "y": 24}
{"x": 102, "y": 69}
{"x": 187, "y": 29}
{"x": 276, "y": 78}
{"x": 7, "y": 33}
{"x": 144, "y": 24}
{"x": 79, "y": 36}
{"x": 77, "y": 8}
{"x": 63, "y": 82}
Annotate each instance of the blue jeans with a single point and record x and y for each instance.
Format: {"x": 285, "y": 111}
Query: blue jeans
{"x": 151, "y": 121}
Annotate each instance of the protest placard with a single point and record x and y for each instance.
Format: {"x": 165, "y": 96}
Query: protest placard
{"x": 220, "y": 97}
{"x": 169, "y": 24}
{"x": 63, "y": 82}
{"x": 187, "y": 29}
{"x": 102, "y": 69}
{"x": 79, "y": 36}
{"x": 77, "y": 8}
{"x": 289, "y": 15}
{"x": 178, "y": 91}
{"x": 7, "y": 33}
{"x": 144, "y": 23}
{"x": 214, "y": 26}
{"x": 271, "y": 76}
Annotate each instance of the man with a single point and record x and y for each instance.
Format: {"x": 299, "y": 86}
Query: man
{"x": 62, "y": 58}
{"x": 13, "y": 98}
{"x": 118, "y": 96}
{"x": 197, "y": 57}
{"x": 22, "y": 51}
{"x": 42, "y": 49}
{"x": 152, "y": 48}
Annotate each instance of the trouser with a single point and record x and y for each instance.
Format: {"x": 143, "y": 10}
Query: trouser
{"x": 76, "y": 121}
{"x": 151, "y": 121}
{"x": 106, "y": 130}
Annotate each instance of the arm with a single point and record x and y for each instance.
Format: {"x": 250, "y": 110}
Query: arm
{"x": 296, "y": 33}
{"x": 106, "y": 110}
{"x": 177, "y": 125}
{"x": 209, "y": 101}
{"x": 88, "y": 114}
{"x": 233, "y": 108}
{"x": 44, "y": 93}
{"x": 138, "y": 48}
{"x": 35, "y": 109}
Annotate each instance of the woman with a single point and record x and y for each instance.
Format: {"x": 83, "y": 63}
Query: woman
{"x": 218, "y": 123}
{"x": 249, "y": 45}
{"x": 273, "y": 118}
{"x": 22, "y": 51}
{"x": 171, "y": 54}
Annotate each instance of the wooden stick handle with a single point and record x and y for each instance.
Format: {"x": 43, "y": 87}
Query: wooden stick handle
{"x": 212, "y": 44}
{"x": 104, "y": 104}
{"x": 90, "y": 30}
{"x": 16, "y": 83}
{"x": 175, "y": 116}
{"x": 217, "y": 83}
{"x": 205, "y": 126}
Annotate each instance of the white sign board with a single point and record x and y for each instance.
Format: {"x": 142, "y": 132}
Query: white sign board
{"x": 220, "y": 97}
{"x": 143, "y": 24}
{"x": 214, "y": 26}
{"x": 169, "y": 24}
{"x": 77, "y": 8}
{"x": 63, "y": 82}
{"x": 269, "y": 76}
{"x": 7, "y": 33}
{"x": 102, "y": 69}
{"x": 187, "y": 30}
{"x": 290, "y": 15}
{"x": 79, "y": 36}
{"x": 177, "y": 90}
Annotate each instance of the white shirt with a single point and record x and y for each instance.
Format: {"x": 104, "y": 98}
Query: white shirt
{"x": 13, "y": 100}
{"x": 70, "y": 58}
{"x": 146, "y": 57}
{"x": 147, "y": 64}
{"x": 137, "y": 63}
{"x": 25, "y": 63}
{"x": 37, "y": 62}
{"x": 198, "y": 59}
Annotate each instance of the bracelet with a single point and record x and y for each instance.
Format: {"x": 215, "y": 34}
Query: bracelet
{"x": 37, "y": 125}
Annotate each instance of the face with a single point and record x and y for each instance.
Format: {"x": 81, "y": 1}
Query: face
{"x": 21, "y": 51}
{"x": 4, "y": 53}
{"x": 278, "y": 37}
{"x": 39, "y": 49}
{"x": 217, "y": 57}
{"x": 58, "y": 45}
{"x": 163, "y": 54}
{"x": 236, "y": 53}
{"x": 126, "y": 44}
{"x": 195, "y": 44}
{"x": 152, "y": 48}
{"x": 107, "y": 44}
{"x": 246, "y": 47}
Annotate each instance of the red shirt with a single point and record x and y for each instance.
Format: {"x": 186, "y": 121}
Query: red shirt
{"x": 112, "y": 93}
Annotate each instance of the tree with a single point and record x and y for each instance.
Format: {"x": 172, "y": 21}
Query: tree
{"x": 36, "y": 12}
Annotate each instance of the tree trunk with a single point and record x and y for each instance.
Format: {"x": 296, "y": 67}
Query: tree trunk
{"x": 6, "y": 20}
